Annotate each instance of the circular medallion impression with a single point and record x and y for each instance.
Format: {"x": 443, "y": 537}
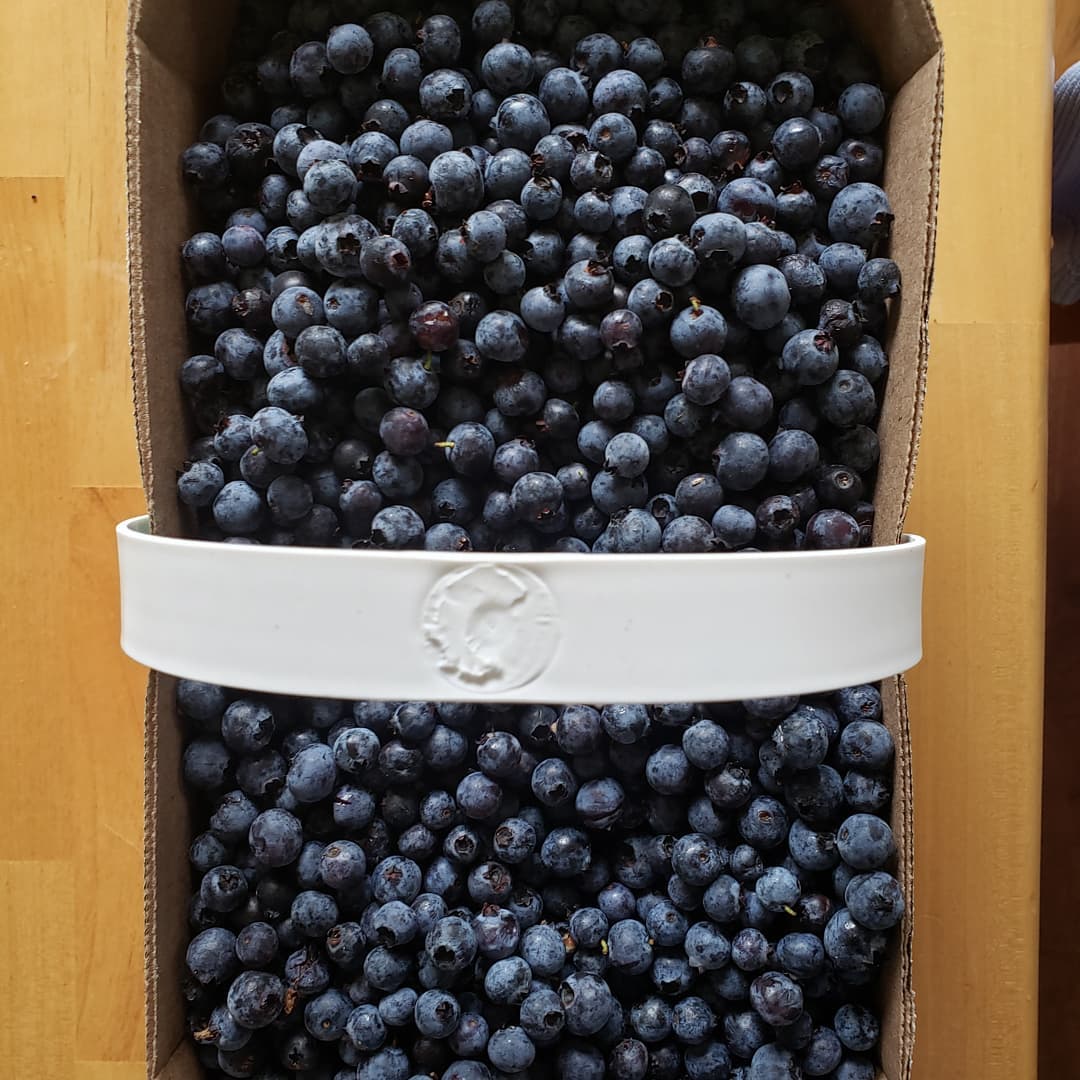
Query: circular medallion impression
{"x": 491, "y": 628}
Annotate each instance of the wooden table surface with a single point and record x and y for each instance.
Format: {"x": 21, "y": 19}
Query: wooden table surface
{"x": 71, "y": 780}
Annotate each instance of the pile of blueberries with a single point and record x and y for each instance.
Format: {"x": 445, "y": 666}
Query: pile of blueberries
{"x": 571, "y": 275}
{"x": 401, "y": 891}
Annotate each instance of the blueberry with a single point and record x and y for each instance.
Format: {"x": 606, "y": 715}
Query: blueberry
{"x": 668, "y": 771}
{"x": 706, "y": 947}
{"x": 207, "y": 851}
{"x": 232, "y": 817}
{"x": 588, "y": 284}
{"x": 349, "y": 49}
{"x": 866, "y": 745}
{"x": 671, "y": 975}
{"x": 745, "y": 1033}
{"x": 741, "y": 461}
{"x": 566, "y": 852}
{"x": 508, "y": 981}
{"x": 521, "y": 121}
{"x": 502, "y": 336}
{"x": 224, "y": 1032}
{"x": 802, "y": 738}
{"x": 652, "y": 1019}
{"x": 255, "y": 999}
{"x": 764, "y": 823}
{"x": 860, "y": 214}
{"x": 868, "y": 794}
{"x": 748, "y": 200}
{"x": 791, "y": 93}
{"x": 761, "y": 296}
{"x": 847, "y": 399}
{"x": 366, "y": 1025}
{"x": 629, "y": 1060}
{"x": 773, "y": 1062}
{"x": 796, "y": 143}
{"x": 209, "y": 307}
{"x": 625, "y": 724}
{"x": 385, "y": 1064}
{"x": 632, "y": 530}
{"x": 205, "y": 165}
{"x": 856, "y": 1027}
{"x": 706, "y": 744}
{"x": 811, "y": 356}
{"x": 708, "y": 70}
{"x": 536, "y": 497}
{"x": 683, "y": 534}
{"x": 564, "y": 94}
{"x": 823, "y": 1053}
{"x": 868, "y": 358}
{"x": 692, "y": 1021}
{"x": 511, "y": 1049}
{"x": 863, "y": 157}
{"x": 478, "y": 795}
{"x": 852, "y": 948}
{"x": 211, "y": 956}
{"x": 733, "y": 526}
{"x": 749, "y": 949}
{"x": 436, "y": 1013}
{"x": 326, "y": 1016}
{"x": 865, "y": 842}
{"x": 861, "y": 108}
{"x": 200, "y": 483}
{"x": 599, "y": 803}
{"x": 875, "y": 901}
{"x": 697, "y": 859}
{"x": 587, "y": 1002}
{"x": 856, "y": 1068}
{"x": 816, "y": 795}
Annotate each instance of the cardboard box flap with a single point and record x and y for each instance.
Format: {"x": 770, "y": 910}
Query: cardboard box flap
{"x": 896, "y": 989}
{"x": 175, "y": 56}
{"x": 911, "y": 178}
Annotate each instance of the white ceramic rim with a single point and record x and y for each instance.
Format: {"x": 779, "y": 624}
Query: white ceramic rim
{"x": 515, "y": 627}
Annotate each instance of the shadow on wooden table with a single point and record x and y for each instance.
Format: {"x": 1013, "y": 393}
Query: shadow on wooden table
{"x": 1059, "y": 992}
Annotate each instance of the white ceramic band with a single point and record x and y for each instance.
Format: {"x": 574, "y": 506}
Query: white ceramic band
{"x": 518, "y": 627}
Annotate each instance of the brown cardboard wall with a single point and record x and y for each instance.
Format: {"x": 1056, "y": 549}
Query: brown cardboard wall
{"x": 174, "y": 58}
{"x": 168, "y": 875}
{"x": 903, "y": 35}
{"x": 911, "y": 180}
{"x": 897, "y": 993}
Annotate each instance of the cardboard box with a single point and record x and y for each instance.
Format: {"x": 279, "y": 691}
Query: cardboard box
{"x": 175, "y": 59}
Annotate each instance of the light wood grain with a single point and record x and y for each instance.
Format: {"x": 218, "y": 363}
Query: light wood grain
{"x": 109, "y": 863}
{"x": 70, "y": 792}
{"x": 34, "y": 440}
{"x": 976, "y": 701}
{"x": 71, "y": 772}
{"x": 37, "y": 928}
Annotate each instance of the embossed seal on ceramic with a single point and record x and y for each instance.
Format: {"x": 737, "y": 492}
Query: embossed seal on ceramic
{"x": 491, "y": 627}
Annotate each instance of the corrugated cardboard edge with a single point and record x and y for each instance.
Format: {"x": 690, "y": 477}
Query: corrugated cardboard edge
{"x": 150, "y": 880}
{"x": 907, "y": 867}
{"x": 896, "y": 988}
{"x": 137, "y": 331}
{"x": 928, "y": 286}
{"x": 136, "y": 307}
